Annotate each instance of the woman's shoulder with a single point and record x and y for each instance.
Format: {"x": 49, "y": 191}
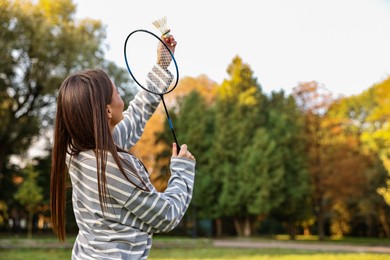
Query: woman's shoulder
{"x": 141, "y": 175}
{"x": 132, "y": 159}
{"x": 86, "y": 158}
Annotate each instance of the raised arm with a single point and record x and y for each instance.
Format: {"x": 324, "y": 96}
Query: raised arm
{"x": 140, "y": 109}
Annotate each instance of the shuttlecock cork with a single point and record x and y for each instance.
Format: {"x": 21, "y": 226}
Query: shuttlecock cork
{"x": 161, "y": 25}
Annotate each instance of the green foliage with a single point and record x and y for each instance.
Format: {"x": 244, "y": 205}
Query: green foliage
{"x": 196, "y": 127}
{"x": 41, "y": 44}
{"x": 238, "y": 114}
{"x": 263, "y": 151}
{"x": 242, "y": 87}
{"x": 249, "y": 150}
{"x": 286, "y": 125}
{"x": 261, "y": 181}
{"x": 29, "y": 194}
{"x": 376, "y": 135}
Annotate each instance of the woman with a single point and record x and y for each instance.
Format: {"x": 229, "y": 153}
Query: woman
{"x": 115, "y": 205}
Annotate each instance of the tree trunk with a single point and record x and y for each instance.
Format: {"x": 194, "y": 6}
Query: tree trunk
{"x": 370, "y": 229}
{"x": 321, "y": 224}
{"x": 2, "y": 166}
{"x": 247, "y": 227}
{"x": 238, "y": 226}
{"x": 218, "y": 227}
{"x": 306, "y": 230}
{"x": 384, "y": 222}
{"x": 292, "y": 231}
{"x": 30, "y": 224}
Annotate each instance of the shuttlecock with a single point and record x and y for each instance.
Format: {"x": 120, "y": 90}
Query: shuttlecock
{"x": 161, "y": 25}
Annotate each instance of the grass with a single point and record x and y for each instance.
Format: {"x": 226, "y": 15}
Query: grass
{"x": 342, "y": 240}
{"x": 171, "y": 248}
{"x": 202, "y": 253}
{"x": 35, "y": 254}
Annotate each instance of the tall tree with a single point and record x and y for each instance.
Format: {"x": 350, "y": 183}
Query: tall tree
{"x": 258, "y": 187}
{"x": 314, "y": 100}
{"x": 286, "y": 125}
{"x": 196, "y": 125}
{"x": 41, "y": 43}
{"x": 238, "y": 115}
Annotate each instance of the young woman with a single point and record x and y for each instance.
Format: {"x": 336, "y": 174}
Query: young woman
{"x": 115, "y": 205}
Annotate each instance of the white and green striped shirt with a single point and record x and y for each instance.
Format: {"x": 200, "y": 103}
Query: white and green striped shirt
{"x": 125, "y": 229}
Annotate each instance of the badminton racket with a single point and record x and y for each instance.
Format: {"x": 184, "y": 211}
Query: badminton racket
{"x": 140, "y": 57}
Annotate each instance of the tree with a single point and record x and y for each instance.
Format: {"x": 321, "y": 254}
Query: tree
{"x": 377, "y": 133}
{"x": 259, "y": 185}
{"x": 41, "y": 43}
{"x": 238, "y": 115}
{"x": 196, "y": 125}
{"x": 29, "y": 195}
{"x": 361, "y": 118}
{"x": 345, "y": 166}
{"x": 314, "y": 100}
{"x": 286, "y": 125}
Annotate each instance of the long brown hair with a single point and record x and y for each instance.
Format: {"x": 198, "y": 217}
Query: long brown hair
{"x": 81, "y": 124}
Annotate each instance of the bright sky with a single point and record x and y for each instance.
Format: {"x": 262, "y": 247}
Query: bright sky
{"x": 342, "y": 44}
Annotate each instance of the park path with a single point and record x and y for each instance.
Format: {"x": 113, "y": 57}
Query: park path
{"x": 301, "y": 245}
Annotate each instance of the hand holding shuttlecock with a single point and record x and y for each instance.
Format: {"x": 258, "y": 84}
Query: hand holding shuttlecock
{"x": 161, "y": 25}
{"x": 163, "y": 56}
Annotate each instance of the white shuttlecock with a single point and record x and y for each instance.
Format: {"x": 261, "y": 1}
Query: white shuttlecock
{"x": 161, "y": 25}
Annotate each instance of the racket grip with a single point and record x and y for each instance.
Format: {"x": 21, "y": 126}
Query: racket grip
{"x": 170, "y": 123}
{"x": 174, "y": 135}
{"x": 178, "y": 147}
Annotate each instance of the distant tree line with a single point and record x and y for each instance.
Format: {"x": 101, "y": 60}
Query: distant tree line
{"x": 305, "y": 161}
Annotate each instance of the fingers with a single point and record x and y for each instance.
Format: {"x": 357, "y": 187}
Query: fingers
{"x": 174, "y": 149}
{"x": 184, "y": 153}
{"x": 170, "y": 41}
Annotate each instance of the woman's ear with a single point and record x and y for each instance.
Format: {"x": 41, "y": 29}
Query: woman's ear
{"x": 109, "y": 113}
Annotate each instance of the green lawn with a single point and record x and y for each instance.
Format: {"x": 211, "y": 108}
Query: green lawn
{"x": 35, "y": 254}
{"x": 201, "y": 253}
{"x": 165, "y": 248}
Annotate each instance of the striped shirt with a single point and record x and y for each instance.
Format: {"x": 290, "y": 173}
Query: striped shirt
{"x": 132, "y": 215}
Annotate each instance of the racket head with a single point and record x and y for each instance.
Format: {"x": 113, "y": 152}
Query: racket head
{"x": 140, "y": 52}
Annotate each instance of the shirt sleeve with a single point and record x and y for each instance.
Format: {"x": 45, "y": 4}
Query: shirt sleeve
{"x": 162, "y": 211}
{"x": 141, "y": 108}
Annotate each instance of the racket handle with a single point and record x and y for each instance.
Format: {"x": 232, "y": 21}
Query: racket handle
{"x": 174, "y": 135}
{"x": 170, "y": 123}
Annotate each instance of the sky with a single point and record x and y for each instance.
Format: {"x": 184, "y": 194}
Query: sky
{"x": 344, "y": 45}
